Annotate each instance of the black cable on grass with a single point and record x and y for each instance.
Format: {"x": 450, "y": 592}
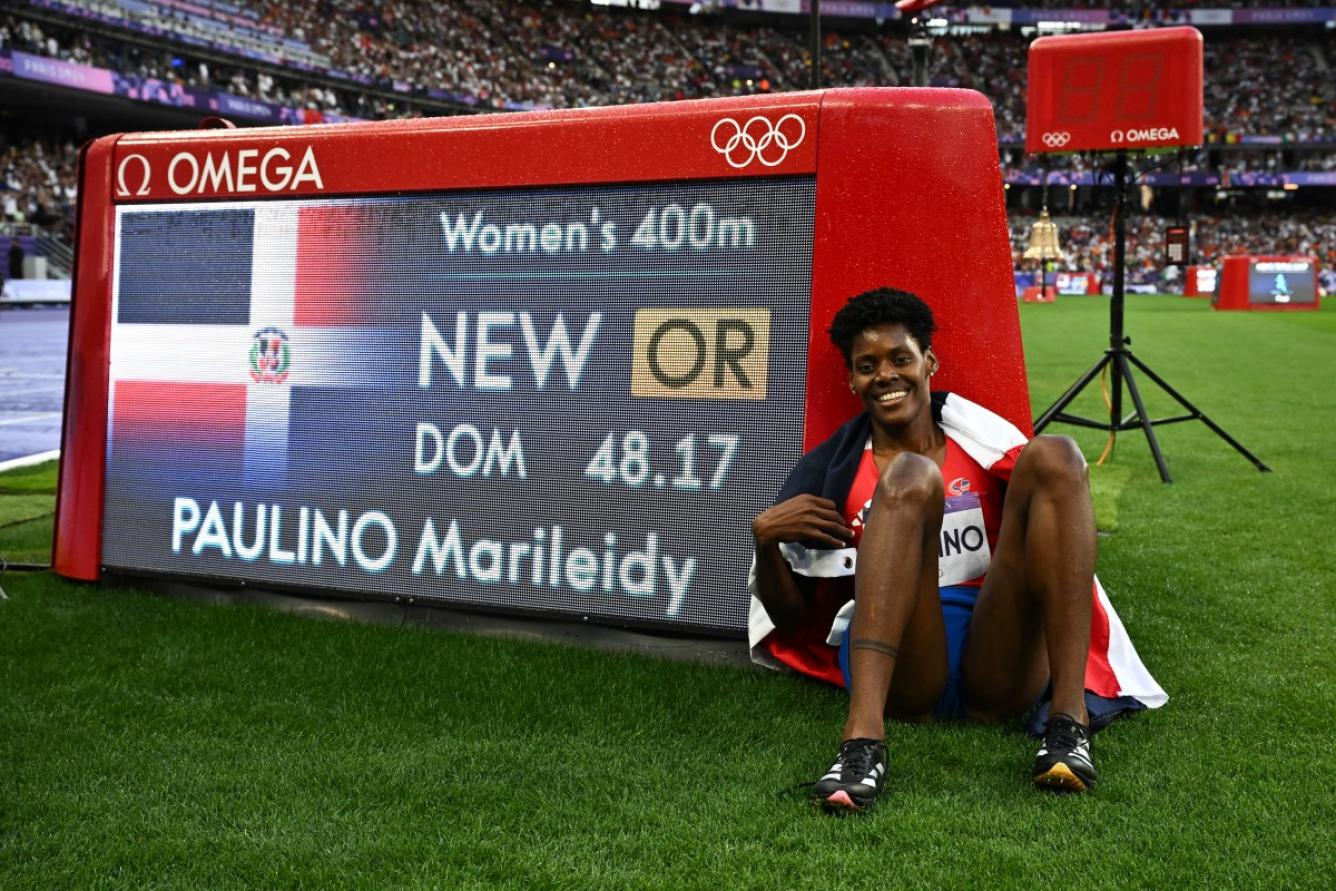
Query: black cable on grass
{"x": 6, "y": 566}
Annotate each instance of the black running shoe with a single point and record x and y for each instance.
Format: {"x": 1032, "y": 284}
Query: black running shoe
{"x": 854, "y": 780}
{"x": 1064, "y": 762}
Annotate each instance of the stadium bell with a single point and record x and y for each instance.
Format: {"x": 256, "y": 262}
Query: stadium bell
{"x": 1043, "y": 244}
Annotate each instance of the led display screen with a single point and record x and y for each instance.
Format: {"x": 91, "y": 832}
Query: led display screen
{"x": 1076, "y": 283}
{"x": 1206, "y": 277}
{"x": 562, "y": 400}
{"x": 1281, "y": 282}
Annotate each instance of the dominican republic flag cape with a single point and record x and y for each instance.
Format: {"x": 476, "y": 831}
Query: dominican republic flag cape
{"x": 1113, "y": 670}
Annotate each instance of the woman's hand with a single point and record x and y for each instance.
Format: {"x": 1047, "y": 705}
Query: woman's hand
{"x": 802, "y": 518}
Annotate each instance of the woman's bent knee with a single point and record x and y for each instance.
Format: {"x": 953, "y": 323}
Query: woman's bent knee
{"x": 910, "y": 479}
{"x": 1054, "y": 460}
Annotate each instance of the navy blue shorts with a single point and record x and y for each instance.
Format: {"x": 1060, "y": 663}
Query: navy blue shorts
{"x": 957, "y": 610}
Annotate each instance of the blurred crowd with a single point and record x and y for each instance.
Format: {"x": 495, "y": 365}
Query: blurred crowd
{"x": 401, "y": 58}
{"x": 1087, "y": 244}
{"x": 561, "y": 53}
{"x": 1139, "y": 6}
{"x": 145, "y": 63}
{"x": 38, "y": 183}
{"x": 1257, "y": 159}
{"x": 1283, "y": 89}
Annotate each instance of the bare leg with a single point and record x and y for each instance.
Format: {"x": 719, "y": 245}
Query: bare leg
{"x": 1032, "y": 620}
{"x": 897, "y": 651}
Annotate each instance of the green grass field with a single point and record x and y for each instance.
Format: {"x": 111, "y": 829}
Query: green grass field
{"x": 146, "y": 741}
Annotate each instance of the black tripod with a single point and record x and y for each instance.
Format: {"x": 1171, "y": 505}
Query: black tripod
{"x": 1118, "y": 357}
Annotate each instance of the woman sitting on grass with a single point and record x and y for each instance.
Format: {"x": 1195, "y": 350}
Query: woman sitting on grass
{"x": 969, "y": 553}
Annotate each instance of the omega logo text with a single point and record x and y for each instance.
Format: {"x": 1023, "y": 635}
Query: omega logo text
{"x": 242, "y": 170}
{"x": 227, "y": 171}
{"x": 133, "y": 165}
{"x": 1149, "y": 134}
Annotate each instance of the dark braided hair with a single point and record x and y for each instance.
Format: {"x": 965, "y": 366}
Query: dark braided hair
{"x": 881, "y": 306}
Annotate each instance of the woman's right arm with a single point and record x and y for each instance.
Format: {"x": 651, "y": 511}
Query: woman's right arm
{"x": 801, "y": 518}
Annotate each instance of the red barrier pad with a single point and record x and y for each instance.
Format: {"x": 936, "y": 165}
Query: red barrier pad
{"x": 1251, "y": 282}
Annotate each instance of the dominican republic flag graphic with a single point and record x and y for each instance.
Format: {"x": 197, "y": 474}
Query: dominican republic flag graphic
{"x": 220, "y": 316}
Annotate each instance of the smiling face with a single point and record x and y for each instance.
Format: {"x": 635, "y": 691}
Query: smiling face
{"x": 889, "y": 372}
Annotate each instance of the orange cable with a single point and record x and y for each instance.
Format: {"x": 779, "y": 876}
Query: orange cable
{"x": 1108, "y": 403}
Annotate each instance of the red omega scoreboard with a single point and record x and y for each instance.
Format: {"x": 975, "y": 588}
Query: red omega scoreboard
{"x": 549, "y": 363}
{"x": 1115, "y": 90}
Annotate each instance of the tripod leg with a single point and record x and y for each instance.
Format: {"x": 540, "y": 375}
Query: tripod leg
{"x": 1216, "y": 429}
{"x": 1072, "y": 392}
{"x": 1145, "y": 418}
{"x": 1116, "y": 372}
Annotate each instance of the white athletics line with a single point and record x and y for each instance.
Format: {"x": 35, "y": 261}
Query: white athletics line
{"x": 28, "y": 391}
{"x": 7, "y": 375}
{"x": 42, "y": 417}
{"x": 39, "y": 458}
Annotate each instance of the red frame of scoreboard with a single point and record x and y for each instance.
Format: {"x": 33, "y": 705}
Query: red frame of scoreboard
{"x": 908, "y": 194}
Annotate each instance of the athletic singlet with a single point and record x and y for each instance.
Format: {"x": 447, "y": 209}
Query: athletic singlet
{"x": 969, "y": 536}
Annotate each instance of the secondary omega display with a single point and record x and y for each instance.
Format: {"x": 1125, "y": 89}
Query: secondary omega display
{"x": 1115, "y": 90}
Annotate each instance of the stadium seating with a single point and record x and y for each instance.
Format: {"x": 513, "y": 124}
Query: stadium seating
{"x": 558, "y": 53}
{"x": 327, "y": 58}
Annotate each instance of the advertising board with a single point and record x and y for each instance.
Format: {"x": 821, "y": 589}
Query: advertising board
{"x": 1200, "y": 281}
{"x": 1076, "y": 284}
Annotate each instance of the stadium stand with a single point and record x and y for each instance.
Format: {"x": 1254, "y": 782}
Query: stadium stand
{"x": 270, "y": 62}
{"x": 1087, "y": 244}
{"x": 1147, "y": 8}
{"x": 559, "y": 53}
{"x": 37, "y": 182}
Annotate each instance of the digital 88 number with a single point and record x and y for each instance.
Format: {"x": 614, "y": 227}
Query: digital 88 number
{"x": 627, "y": 462}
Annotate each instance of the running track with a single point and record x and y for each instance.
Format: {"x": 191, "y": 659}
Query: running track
{"x": 32, "y": 380}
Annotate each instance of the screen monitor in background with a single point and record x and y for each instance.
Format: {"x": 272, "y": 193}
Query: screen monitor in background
{"x": 1282, "y": 281}
{"x": 1176, "y": 246}
{"x": 1268, "y": 283}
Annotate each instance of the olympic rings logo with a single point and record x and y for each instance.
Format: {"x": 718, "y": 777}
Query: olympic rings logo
{"x": 758, "y": 140}
{"x": 1057, "y": 140}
